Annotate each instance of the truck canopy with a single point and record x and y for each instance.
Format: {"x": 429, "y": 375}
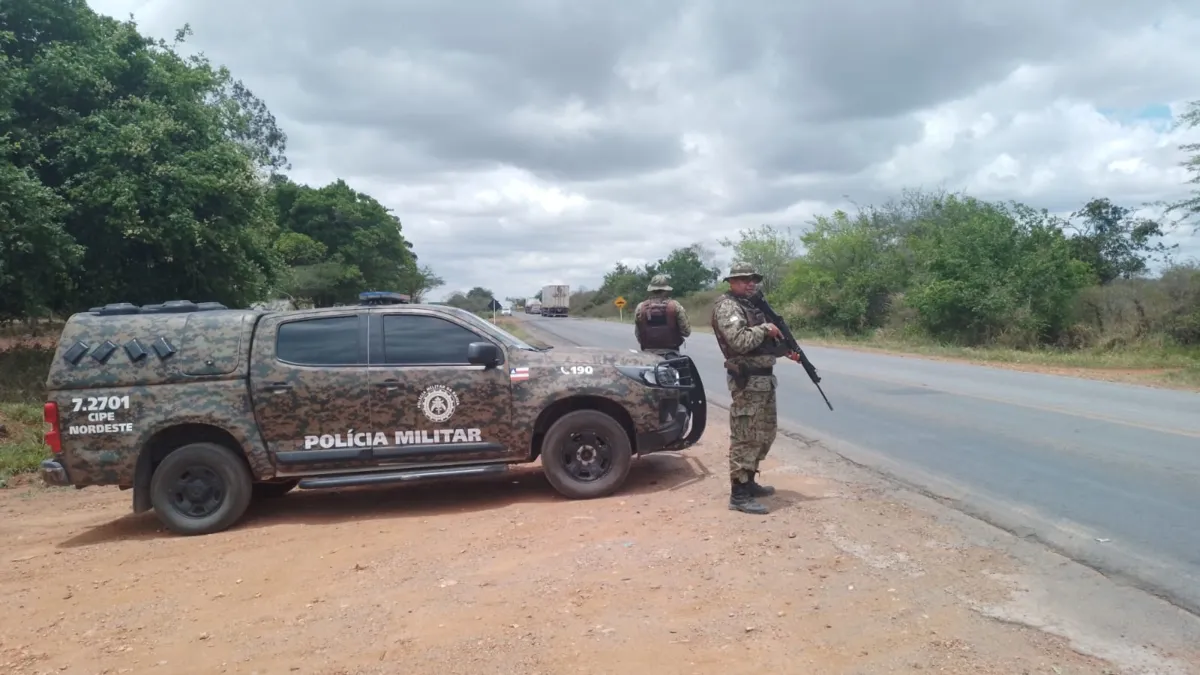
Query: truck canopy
{"x": 124, "y": 345}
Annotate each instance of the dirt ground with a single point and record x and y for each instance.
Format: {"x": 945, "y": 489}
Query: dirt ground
{"x": 503, "y": 576}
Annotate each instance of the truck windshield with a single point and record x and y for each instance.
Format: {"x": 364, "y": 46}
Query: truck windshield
{"x": 493, "y": 330}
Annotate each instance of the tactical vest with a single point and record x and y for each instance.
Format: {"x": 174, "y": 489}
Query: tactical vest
{"x": 660, "y": 330}
{"x": 754, "y": 317}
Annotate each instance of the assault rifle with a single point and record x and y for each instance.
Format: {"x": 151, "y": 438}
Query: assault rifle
{"x": 795, "y": 353}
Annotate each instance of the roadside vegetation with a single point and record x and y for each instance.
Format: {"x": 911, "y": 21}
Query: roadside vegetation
{"x": 514, "y": 326}
{"x": 1098, "y": 292}
{"x": 24, "y": 360}
{"x": 132, "y": 173}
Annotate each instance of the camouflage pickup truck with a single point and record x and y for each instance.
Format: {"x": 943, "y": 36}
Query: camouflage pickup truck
{"x": 199, "y": 408}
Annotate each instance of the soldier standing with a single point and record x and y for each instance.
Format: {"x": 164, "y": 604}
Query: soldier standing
{"x": 748, "y": 343}
{"x": 660, "y": 323}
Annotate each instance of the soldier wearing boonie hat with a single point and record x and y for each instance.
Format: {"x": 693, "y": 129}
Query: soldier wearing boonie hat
{"x": 660, "y": 323}
{"x": 744, "y": 336}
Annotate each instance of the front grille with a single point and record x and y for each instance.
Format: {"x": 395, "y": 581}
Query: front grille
{"x": 683, "y": 366}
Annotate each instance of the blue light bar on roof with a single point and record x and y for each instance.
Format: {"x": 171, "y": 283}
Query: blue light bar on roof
{"x": 383, "y": 298}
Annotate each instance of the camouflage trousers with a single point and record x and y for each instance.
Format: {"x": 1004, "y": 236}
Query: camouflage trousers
{"x": 753, "y": 423}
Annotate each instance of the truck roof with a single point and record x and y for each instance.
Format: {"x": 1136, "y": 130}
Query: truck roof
{"x": 124, "y": 345}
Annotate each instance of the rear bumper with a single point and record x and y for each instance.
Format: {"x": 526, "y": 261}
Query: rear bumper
{"x": 54, "y": 473}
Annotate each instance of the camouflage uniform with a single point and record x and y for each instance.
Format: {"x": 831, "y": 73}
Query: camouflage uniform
{"x": 653, "y": 333}
{"x": 741, "y": 333}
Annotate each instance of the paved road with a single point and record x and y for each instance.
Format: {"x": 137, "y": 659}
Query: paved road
{"x": 1108, "y": 474}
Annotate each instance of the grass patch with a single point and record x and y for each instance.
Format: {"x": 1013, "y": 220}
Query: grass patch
{"x": 514, "y": 326}
{"x": 23, "y": 367}
{"x": 21, "y": 446}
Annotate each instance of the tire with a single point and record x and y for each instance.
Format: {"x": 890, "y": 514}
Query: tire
{"x": 273, "y": 490}
{"x": 211, "y": 466}
{"x": 563, "y": 469}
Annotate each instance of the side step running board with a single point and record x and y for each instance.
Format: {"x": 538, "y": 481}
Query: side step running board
{"x": 389, "y": 477}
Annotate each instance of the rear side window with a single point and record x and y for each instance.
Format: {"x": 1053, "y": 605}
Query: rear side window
{"x": 328, "y": 341}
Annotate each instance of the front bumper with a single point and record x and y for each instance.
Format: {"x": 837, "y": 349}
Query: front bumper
{"x": 665, "y": 437}
{"x": 54, "y": 473}
{"x": 692, "y": 406}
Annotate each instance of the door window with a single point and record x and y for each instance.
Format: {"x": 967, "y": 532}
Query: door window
{"x": 327, "y": 341}
{"x": 420, "y": 340}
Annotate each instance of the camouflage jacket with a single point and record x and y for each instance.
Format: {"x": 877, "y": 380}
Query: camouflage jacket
{"x": 741, "y": 333}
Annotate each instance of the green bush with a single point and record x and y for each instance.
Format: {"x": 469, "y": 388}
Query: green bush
{"x": 23, "y": 369}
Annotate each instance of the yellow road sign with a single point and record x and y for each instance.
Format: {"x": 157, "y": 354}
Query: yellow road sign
{"x": 619, "y": 302}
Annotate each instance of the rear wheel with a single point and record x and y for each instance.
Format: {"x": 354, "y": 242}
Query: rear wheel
{"x": 200, "y": 488}
{"x": 586, "y": 454}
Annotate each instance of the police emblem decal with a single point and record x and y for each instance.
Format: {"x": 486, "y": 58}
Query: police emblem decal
{"x": 438, "y": 403}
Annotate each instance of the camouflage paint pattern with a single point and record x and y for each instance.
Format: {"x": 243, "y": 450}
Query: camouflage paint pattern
{"x": 566, "y": 372}
{"x": 202, "y": 383}
{"x": 753, "y": 422}
{"x": 225, "y": 374}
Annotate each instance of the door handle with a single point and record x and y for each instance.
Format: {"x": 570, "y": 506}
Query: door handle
{"x": 275, "y": 387}
{"x": 389, "y": 384}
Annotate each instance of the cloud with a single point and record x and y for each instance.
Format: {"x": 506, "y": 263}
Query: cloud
{"x": 550, "y": 138}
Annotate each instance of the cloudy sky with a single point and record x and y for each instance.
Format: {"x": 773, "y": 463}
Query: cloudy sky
{"x": 555, "y": 137}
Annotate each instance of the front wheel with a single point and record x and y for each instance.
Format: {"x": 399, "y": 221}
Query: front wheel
{"x": 586, "y": 454}
{"x": 200, "y": 488}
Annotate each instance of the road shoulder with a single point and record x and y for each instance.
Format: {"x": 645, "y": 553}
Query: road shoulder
{"x": 1046, "y": 591}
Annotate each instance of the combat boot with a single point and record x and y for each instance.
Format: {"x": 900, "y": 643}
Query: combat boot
{"x": 740, "y": 499}
{"x": 756, "y": 489}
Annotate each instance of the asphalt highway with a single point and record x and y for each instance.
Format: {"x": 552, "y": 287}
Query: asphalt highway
{"x": 1107, "y": 474}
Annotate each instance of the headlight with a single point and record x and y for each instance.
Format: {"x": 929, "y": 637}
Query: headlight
{"x": 665, "y": 376}
{"x": 661, "y": 375}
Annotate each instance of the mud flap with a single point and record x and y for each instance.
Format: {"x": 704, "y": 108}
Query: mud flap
{"x": 695, "y": 400}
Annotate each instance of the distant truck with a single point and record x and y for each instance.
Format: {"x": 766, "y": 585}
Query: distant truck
{"x": 533, "y": 306}
{"x": 556, "y": 299}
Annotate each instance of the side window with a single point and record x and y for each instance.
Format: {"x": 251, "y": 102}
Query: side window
{"x": 413, "y": 340}
{"x": 331, "y": 341}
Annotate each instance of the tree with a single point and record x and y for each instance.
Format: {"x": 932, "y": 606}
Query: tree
{"x": 31, "y": 215}
{"x": 419, "y": 281}
{"x": 769, "y": 250}
{"x": 851, "y": 268}
{"x": 362, "y": 243}
{"x": 478, "y": 299}
{"x": 985, "y": 270}
{"x": 1113, "y": 243}
{"x": 131, "y": 173}
{"x": 1189, "y": 207}
{"x": 686, "y": 269}
{"x": 126, "y": 181}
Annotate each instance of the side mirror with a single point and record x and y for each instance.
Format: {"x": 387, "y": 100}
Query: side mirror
{"x": 484, "y": 354}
